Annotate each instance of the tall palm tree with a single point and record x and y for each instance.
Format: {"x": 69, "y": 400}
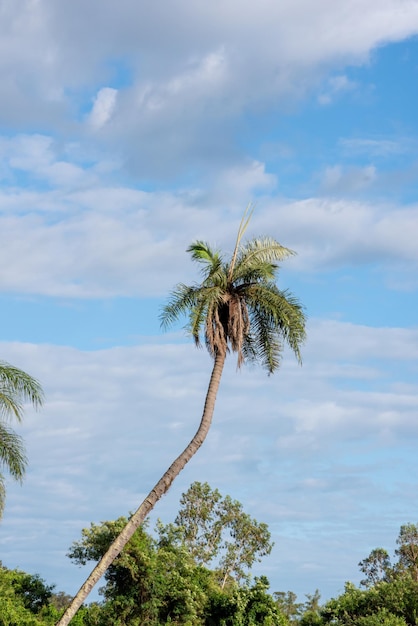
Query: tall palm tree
{"x": 16, "y": 388}
{"x": 237, "y": 306}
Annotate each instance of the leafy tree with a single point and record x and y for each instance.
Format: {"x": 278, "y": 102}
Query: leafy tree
{"x": 390, "y": 597}
{"x": 22, "y": 598}
{"x": 244, "y": 606}
{"x": 381, "y": 618}
{"x": 352, "y": 605}
{"x": 311, "y": 618}
{"x": 16, "y": 388}
{"x": 311, "y": 610}
{"x": 312, "y": 601}
{"x": 154, "y": 580}
{"x": 407, "y": 550}
{"x": 33, "y": 590}
{"x": 237, "y": 307}
{"x": 393, "y": 603}
{"x": 60, "y": 600}
{"x": 376, "y": 567}
{"x": 200, "y": 518}
{"x": 258, "y": 607}
{"x": 399, "y": 597}
{"x": 216, "y": 528}
{"x": 157, "y": 579}
{"x": 287, "y": 602}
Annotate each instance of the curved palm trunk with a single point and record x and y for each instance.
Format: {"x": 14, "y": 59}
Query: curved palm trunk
{"x": 157, "y": 492}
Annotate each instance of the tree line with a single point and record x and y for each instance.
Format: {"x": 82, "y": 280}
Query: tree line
{"x": 193, "y": 571}
{"x": 196, "y": 571}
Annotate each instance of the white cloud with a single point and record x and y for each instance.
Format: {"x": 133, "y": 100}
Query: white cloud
{"x": 365, "y": 343}
{"x": 103, "y": 107}
{"x": 336, "y": 85}
{"x": 213, "y": 63}
{"x": 337, "y": 179}
{"x": 236, "y": 186}
{"x": 329, "y": 233}
{"x": 36, "y": 156}
{"x": 381, "y": 147}
{"x": 205, "y": 76}
{"x": 107, "y": 240}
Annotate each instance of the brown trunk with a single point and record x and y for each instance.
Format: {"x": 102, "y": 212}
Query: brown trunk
{"x": 159, "y": 490}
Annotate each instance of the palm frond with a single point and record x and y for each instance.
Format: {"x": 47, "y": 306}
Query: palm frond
{"x": 201, "y": 252}
{"x": 2, "y": 494}
{"x": 10, "y": 405}
{"x": 12, "y": 452}
{"x": 181, "y": 300}
{"x": 213, "y": 270}
{"x": 197, "y": 317}
{"x": 217, "y": 276}
{"x": 16, "y": 388}
{"x": 259, "y": 251}
{"x": 241, "y": 230}
{"x": 264, "y": 340}
{"x": 259, "y": 273}
{"x": 283, "y": 310}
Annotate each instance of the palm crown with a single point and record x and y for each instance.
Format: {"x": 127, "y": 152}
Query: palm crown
{"x": 238, "y": 305}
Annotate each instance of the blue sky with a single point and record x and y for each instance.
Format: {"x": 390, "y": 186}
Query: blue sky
{"x": 127, "y": 133}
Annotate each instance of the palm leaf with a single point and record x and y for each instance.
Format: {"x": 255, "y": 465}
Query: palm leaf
{"x": 12, "y": 452}
{"x": 17, "y": 387}
{"x": 257, "y": 253}
{"x": 241, "y": 230}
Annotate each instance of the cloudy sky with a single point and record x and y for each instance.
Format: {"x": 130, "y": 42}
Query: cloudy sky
{"x": 129, "y": 129}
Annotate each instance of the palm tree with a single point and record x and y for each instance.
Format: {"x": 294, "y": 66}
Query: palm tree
{"x": 16, "y": 387}
{"x": 237, "y": 306}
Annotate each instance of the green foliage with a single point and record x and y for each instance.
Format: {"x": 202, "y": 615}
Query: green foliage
{"x": 162, "y": 579}
{"x": 200, "y": 521}
{"x": 376, "y": 567}
{"x": 381, "y": 618}
{"x": 350, "y": 606}
{"x": 407, "y": 550}
{"x": 159, "y": 581}
{"x": 23, "y": 598}
{"x": 287, "y": 602}
{"x": 311, "y": 610}
{"x": 153, "y": 581}
{"x": 16, "y": 388}
{"x": 33, "y": 590}
{"x": 60, "y": 600}
{"x": 311, "y": 618}
{"x": 258, "y": 606}
{"x": 12, "y": 457}
{"x": 391, "y": 594}
{"x": 395, "y": 602}
{"x": 244, "y": 606}
{"x": 216, "y": 529}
